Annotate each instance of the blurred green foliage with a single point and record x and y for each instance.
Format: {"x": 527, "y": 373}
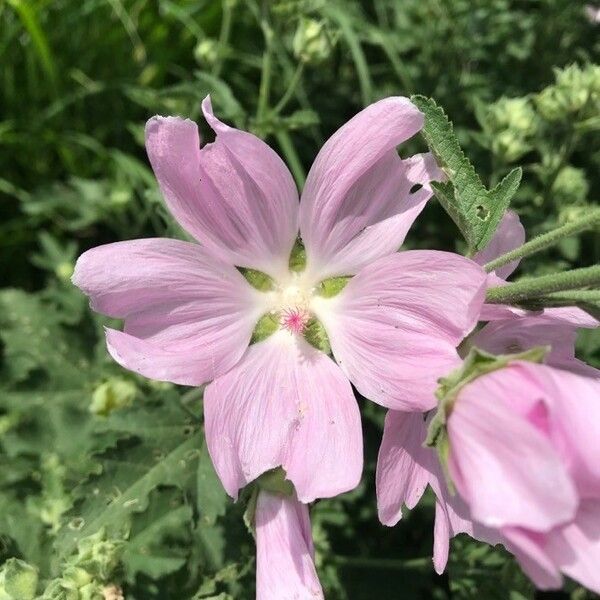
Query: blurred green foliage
{"x": 105, "y": 483}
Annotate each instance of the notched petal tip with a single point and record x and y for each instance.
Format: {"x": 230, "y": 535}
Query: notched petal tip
{"x": 215, "y": 124}
{"x": 160, "y": 131}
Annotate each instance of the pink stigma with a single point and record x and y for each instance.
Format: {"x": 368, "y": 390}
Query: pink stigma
{"x": 294, "y": 319}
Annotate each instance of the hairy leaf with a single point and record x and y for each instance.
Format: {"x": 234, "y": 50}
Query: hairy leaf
{"x": 476, "y": 210}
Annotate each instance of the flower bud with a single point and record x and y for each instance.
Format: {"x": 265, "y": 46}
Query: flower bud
{"x": 511, "y": 122}
{"x": 577, "y": 90}
{"x": 98, "y": 555}
{"x": 112, "y": 395}
{"x": 206, "y": 52}
{"x": 312, "y": 42}
{"x": 570, "y": 186}
{"x": 64, "y": 270}
{"x": 18, "y": 580}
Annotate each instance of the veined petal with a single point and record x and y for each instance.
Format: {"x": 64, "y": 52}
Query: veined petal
{"x": 356, "y": 182}
{"x": 509, "y": 235}
{"x": 575, "y": 548}
{"x": 285, "y": 404}
{"x": 571, "y": 315}
{"x": 528, "y": 549}
{"x": 395, "y": 327}
{"x": 403, "y": 465}
{"x": 510, "y": 336}
{"x": 452, "y": 517}
{"x": 573, "y": 403}
{"x": 285, "y": 568}
{"x": 188, "y": 316}
{"x": 503, "y": 465}
{"x": 235, "y": 195}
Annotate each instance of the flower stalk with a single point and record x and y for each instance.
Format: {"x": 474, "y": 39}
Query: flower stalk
{"x": 546, "y": 240}
{"x": 535, "y": 288}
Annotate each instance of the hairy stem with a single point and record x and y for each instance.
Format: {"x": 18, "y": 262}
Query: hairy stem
{"x": 535, "y": 287}
{"x": 541, "y": 242}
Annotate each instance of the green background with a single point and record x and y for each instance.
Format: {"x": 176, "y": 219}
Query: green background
{"x": 78, "y": 79}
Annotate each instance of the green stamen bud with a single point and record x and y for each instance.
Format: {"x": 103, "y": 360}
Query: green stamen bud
{"x": 266, "y": 326}
{"x": 297, "y": 261}
{"x": 257, "y": 279}
{"x": 332, "y": 287}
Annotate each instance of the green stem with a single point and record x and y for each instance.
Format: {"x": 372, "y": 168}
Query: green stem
{"x": 570, "y": 298}
{"x": 267, "y": 63}
{"x": 534, "y": 287}
{"x": 292, "y": 157}
{"x": 541, "y": 242}
{"x": 223, "y": 35}
{"x": 291, "y": 89}
{"x": 381, "y": 563}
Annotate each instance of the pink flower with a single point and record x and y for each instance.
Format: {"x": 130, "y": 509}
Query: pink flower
{"x": 523, "y": 447}
{"x": 285, "y": 568}
{"x": 189, "y": 314}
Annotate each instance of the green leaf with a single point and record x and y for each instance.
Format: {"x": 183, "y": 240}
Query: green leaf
{"x": 212, "y": 498}
{"x": 160, "y": 536}
{"x": 36, "y": 343}
{"x": 159, "y": 448}
{"x": 475, "y": 210}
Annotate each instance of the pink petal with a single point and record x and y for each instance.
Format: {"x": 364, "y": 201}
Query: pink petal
{"x": 528, "y": 549}
{"x": 571, "y": 315}
{"x": 285, "y": 568}
{"x": 504, "y": 467}
{"x": 356, "y": 182}
{"x": 285, "y": 404}
{"x": 235, "y": 195}
{"x": 188, "y": 316}
{"x": 574, "y": 412}
{"x": 395, "y": 327}
{"x": 575, "y": 548}
{"x": 403, "y": 465}
{"x": 389, "y": 180}
{"x": 509, "y": 235}
{"x": 511, "y": 336}
{"x": 452, "y": 517}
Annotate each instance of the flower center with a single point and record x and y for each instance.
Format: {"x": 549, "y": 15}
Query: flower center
{"x": 294, "y": 319}
{"x": 292, "y": 301}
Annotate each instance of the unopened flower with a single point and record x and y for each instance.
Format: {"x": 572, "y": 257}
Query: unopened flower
{"x": 190, "y": 314}
{"x": 313, "y": 41}
{"x": 112, "y": 395}
{"x": 285, "y": 554}
{"x": 510, "y": 123}
{"x": 522, "y": 447}
{"x": 575, "y": 95}
{"x": 18, "y": 580}
{"x": 405, "y": 467}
